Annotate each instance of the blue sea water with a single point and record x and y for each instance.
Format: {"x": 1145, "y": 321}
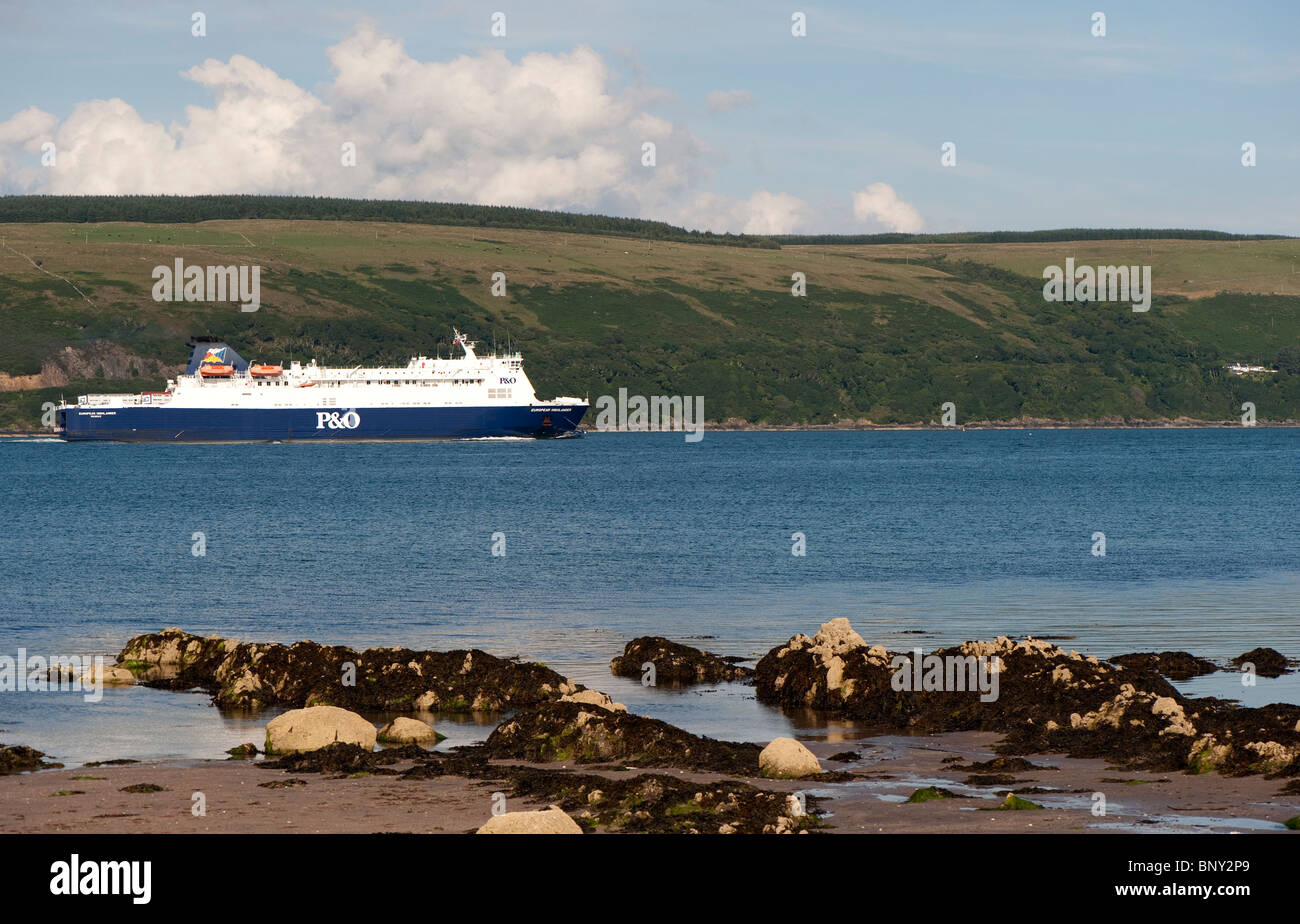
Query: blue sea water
{"x": 918, "y": 537}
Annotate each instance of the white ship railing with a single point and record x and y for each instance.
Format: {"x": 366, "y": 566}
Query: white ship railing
{"x": 122, "y": 400}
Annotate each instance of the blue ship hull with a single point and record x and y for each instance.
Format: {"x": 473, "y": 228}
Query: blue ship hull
{"x": 228, "y": 425}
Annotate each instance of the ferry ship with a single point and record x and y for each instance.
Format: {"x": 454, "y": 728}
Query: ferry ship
{"x": 223, "y": 398}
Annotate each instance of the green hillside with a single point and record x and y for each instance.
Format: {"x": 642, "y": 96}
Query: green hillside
{"x": 886, "y": 333}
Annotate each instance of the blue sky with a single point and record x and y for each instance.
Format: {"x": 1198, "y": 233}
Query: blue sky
{"x": 1053, "y": 126}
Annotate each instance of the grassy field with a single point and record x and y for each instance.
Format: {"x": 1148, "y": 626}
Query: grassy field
{"x": 886, "y": 334}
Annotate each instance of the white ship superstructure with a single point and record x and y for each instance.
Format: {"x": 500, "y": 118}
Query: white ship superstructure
{"x": 221, "y": 397}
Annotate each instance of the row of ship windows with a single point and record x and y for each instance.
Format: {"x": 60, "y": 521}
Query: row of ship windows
{"x": 494, "y": 394}
{"x": 384, "y": 404}
{"x": 386, "y": 382}
{"x": 412, "y": 382}
{"x": 334, "y": 402}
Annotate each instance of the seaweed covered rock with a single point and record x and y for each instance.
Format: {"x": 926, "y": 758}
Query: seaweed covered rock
{"x": 346, "y": 759}
{"x": 18, "y": 758}
{"x": 1013, "y": 803}
{"x": 675, "y": 663}
{"x": 1236, "y": 741}
{"x": 1041, "y": 697}
{"x": 931, "y": 794}
{"x": 644, "y": 803}
{"x": 1174, "y": 665}
{"x": 247, "y": 675}
{"x": 317, "y": 727}
{"x": 835, "y": 670}
{"x": 1267, "y": 662}
{"x": 573, "y": 732}
{"x": 662, "y": 804}
{"x": 173, "y": 658}
{"x": 988, "y": 686}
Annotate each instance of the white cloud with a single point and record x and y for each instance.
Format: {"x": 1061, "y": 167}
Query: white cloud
{"x": 546, "y": 131}
{"x": 725, "y": 100}
{"x": 762, "y": 213}
{"x": 20, "y": 147}
{"x": 879, "y": 203}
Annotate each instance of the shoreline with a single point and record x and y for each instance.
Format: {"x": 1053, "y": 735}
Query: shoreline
{"x": 734, "y": 427}
{"x": 921, "y": 763}
{"x": 991, "y": 425}
{"x": 869, "y": 795}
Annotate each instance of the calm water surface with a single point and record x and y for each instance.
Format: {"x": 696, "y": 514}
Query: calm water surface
{"x": 917, "y": 537}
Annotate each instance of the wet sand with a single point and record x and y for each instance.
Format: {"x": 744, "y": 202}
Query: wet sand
{"x": 896, "y": 766}
{"x": 890, "y": 769}
{"x": 235, "y": 803}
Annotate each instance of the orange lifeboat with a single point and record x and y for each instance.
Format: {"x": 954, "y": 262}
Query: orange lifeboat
{"x": 261, "y": 370}
{"x": 216, "y": 371}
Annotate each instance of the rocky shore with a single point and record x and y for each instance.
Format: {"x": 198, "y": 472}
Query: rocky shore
{"x": 577, "y": 761}
{"x": 1048, "y": 700}
{"x": 250, "y": 675}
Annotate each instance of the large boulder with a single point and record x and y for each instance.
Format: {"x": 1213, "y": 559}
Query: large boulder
{"x": 408, "y": 731}
{"x": 549, "y": 821}
{"x": 317, "y": 727}
{"x": 787, "y": 759}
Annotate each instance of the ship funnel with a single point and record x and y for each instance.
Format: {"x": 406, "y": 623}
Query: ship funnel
{"x": 209, "y": 352}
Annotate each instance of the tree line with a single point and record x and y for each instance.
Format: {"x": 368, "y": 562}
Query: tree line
{"x": 188, "y": 209}
{"x": 1025, "y": 237}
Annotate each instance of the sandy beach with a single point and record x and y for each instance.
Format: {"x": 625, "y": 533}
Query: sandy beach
{"x": 243, "y": 797}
